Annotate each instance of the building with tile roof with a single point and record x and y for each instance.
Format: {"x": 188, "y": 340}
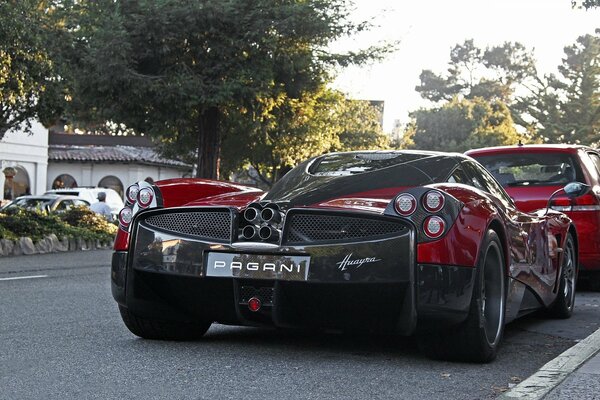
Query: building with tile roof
{"x": 50, "y": 160}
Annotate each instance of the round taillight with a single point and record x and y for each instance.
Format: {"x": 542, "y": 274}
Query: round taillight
{"x": 433, "y": 201}
{"x": 434, "y": 227}
{"x": 125, "y": 216}
{"x": 131, "y": 193}
{"x": 254, "y": 304}
{"x": 405, "y": 204}
{"x": 145, "y": 197}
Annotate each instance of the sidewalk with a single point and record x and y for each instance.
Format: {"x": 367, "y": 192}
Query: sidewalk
{"x": 575, "y": 374}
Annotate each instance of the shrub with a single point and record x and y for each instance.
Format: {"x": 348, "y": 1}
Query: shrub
{"x": 76, "y": 223}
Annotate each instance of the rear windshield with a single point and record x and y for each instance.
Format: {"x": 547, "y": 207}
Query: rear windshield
{"x": 358, "y": 163}
{"x": 531, "y": 169}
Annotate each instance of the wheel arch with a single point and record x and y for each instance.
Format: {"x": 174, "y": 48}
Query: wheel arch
{"x": 497, "y": 227}
{"x": 573, "y": 231}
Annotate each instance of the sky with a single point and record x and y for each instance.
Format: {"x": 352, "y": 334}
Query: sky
{"x": 427, "y": 30}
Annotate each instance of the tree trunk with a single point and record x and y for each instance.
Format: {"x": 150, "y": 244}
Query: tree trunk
{"x": 209, "y": 144}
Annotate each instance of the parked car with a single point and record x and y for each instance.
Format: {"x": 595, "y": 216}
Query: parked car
{"x": 387, "y": 241}
{"x": 49, "y": 202}
{"x": 530, "y": 173}
{"x": 114, "y": 201}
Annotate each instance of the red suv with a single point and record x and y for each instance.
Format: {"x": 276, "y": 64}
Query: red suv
{"x": 530, "y": 173}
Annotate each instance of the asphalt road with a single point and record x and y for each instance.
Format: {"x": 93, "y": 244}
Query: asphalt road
{"x": 61, "y": 337}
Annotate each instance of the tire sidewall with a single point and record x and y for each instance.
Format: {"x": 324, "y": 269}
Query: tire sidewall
{"x": 491, "y": 241}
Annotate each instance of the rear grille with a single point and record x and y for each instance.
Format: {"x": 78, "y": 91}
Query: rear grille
{"x": 265, "y": 294}
{"x": 205, "y": 224}
{"x": 315, "y": 228}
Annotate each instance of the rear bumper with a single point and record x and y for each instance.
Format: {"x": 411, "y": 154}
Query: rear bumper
{"x": 437, "y": 297}
{"x": 370, "y": 285}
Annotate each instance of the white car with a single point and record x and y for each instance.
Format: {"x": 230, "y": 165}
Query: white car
{"x": 114, "y": 201}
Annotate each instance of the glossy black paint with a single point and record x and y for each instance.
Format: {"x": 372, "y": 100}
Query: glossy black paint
{"x": 448, "y": 213}
{"x": 299, "y": 187}
{"x": 444, "y": 293}
{"x": 387, "y": 295}
{"x": 388, "y": 259}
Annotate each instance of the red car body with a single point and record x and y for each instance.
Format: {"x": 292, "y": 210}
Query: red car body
{"x": 396, "y": 241}
{"x": 582, "y": 164}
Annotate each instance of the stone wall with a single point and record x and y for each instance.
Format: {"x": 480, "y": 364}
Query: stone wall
{"x": 50, "y": 244}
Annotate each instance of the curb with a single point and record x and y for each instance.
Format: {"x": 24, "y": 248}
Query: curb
{"x": 538, "y": 385}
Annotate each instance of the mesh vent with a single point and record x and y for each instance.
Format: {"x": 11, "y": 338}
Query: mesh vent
{"x": 265, "y": 294}
{"x": 311, "y": 228}
{"x": 205, "y": 224}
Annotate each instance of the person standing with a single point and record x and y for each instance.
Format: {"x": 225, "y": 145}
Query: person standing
{"x": 101, "y": 207}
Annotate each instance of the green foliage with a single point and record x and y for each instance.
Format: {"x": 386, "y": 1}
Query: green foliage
{"x": 460, "y": 125}
{"x": 28, "y": 77}
{"x": 284, "y": 131}
{"x": 563, "y": 108}
{"x": 566, "y": 108}
{"x": 587, "y": 4}
{"x": 75, "y": 223}
{"x": 492, "y": 73}
{"x": 174, "y": 69}
{"x": 83, "y": 217}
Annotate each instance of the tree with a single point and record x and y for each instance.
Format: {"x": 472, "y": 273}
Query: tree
{"x": 492, "y": 73}
{"x": 285, "y": 131}
{"x": 174, "y": 69}
{"x": 587, "y": 4}
{"x": 460, "y": 125}
{"x": 566, "y": 108}
{"x": 29, "y": 82}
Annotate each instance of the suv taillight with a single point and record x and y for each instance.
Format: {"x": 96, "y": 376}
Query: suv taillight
{"x": 587, "y": 202}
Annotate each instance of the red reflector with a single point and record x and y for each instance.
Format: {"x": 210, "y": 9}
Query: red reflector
{"x": 254, "y": 304}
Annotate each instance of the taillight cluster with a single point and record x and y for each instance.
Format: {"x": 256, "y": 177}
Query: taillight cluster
{"x": 261, "y": 223}
{"x": 428, "y": 210}
{"x": 587, "y": 202}
{"x": 136, "y": 197}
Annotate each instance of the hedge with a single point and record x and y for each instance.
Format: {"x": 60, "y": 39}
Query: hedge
{"x": 78, "y": 222}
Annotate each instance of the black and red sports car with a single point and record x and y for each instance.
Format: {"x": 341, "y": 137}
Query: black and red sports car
{"x": 380, "y": 241}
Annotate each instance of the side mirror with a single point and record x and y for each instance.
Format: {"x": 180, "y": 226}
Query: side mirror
{"x": 572, "y": 190}
{"x": 576, "y": 189}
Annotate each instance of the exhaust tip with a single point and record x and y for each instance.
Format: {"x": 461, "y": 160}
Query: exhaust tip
{"x": 270, "y": 215}
{"x": 249, "y": 232}
{"x": 268, "y": 233}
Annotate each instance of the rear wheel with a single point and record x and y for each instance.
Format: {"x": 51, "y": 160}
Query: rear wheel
{"x": 477, "y": 339}
{"x": 162, "y": 330}
{"x": 565, "y": 302}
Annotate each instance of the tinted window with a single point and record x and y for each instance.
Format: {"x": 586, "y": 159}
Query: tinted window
{"x": 596, "y": 159}
{"x": 522, "y": 169}
{"x": 64, "y": 205}
{"x": 357, "y": 163}
{"x": 458, "y": 176}
{"x": 32, "y": 204}
{"x": 483, "y": 180}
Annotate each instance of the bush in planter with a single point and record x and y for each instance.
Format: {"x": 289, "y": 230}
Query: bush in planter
{"x": 83, "y": 217}
{"x": 37, "y": 225}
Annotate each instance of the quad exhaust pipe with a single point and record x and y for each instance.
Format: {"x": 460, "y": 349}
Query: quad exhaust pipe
{"x": 269, "y": 233}
{"x": 260, "y": 223}
{"x": 249, "y": 232}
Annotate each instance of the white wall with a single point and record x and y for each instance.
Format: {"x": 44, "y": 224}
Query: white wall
{"x": 30, "y": 152}
{"x": 90, "y": 174}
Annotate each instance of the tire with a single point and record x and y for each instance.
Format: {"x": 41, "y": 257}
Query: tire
{"x": 565, "y": 302}
{"x": 162, "y": 330}
{"x": 477, "y": 339}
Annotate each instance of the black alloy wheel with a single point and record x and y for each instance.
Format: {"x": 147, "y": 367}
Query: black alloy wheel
{"x": 565, "y": 301}
{"x": 477, "y": 339}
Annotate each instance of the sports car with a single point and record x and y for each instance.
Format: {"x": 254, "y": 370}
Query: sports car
{"x": 402, "y": 242}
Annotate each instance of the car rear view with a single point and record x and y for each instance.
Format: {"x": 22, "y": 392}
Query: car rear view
{"x": 530, "y": 174}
